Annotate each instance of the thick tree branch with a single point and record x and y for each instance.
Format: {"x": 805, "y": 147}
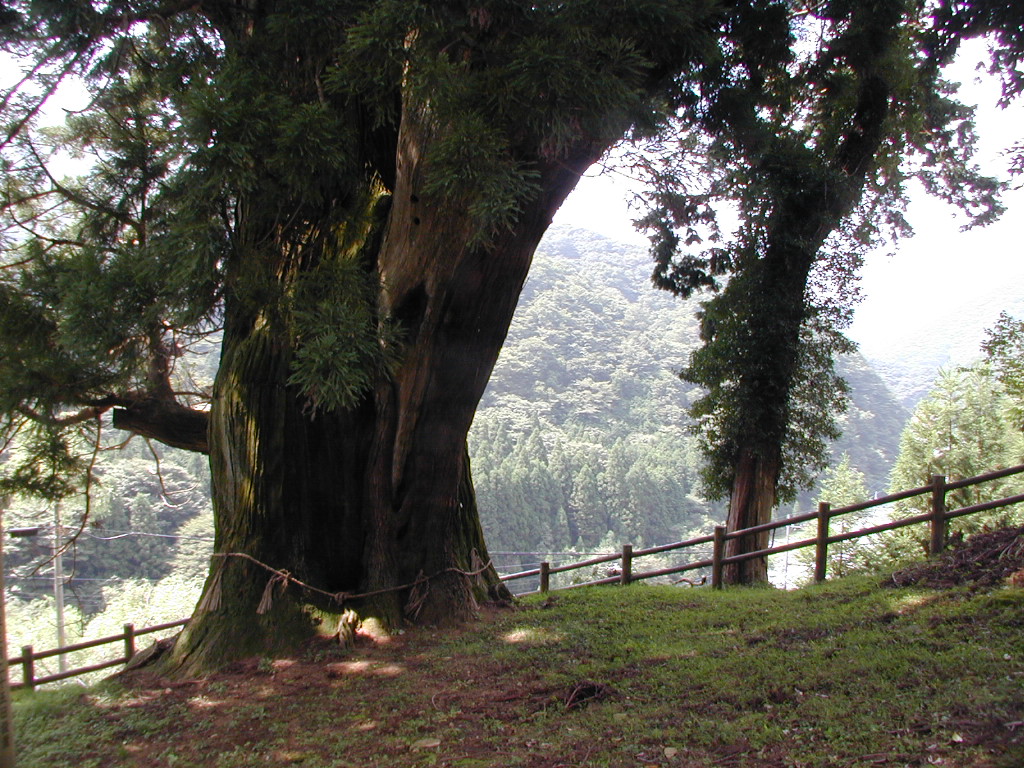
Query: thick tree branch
{"x": 85, "y": 414}
{"x": 167, "y": 421}
{"x": 162, "y": 419}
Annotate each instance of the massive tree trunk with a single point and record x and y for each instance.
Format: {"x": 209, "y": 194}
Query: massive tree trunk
{"x": 373, "y": 504}
{"x": 299, "y": 123}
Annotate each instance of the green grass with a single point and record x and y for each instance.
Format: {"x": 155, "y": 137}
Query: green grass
{"x": 843, "y": 674}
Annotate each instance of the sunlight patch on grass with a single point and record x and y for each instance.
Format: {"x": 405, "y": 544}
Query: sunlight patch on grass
{"x": 905, "y": 603}
{"x": 364, "y": 668}
{"x": 203, "y": 702}
{"x": 532, "y": 636}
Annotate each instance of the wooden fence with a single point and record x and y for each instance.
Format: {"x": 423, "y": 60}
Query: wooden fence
{"x": 937, "y": 518}
{"x": 29, "y": 657}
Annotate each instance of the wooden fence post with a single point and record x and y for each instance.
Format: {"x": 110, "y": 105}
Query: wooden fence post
{"x": 938, "y": 521}
{"x": 129, "y": 641}
{"x": 28, "y": 668}
{"x": 821, "y": 545}
{"x": 627, "y": 564}
{"x": 545, "y": 576}
{"x": 7, "y": 752}
{"x": 717, "y": 553}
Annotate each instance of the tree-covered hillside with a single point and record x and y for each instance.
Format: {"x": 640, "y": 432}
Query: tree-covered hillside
{"x": 582, "y": 436}
{"x": 581, "y": 442}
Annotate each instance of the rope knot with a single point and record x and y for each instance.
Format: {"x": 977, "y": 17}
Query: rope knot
{"x": 279, "y": 579}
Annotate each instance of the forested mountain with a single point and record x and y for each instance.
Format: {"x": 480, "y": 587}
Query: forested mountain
{"x": 580, "y": 442}
{"x": 582, "y": 434}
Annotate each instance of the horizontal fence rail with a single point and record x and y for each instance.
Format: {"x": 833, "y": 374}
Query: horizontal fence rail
{"x": 937, "y": 519}
{"x": 29, "y": 657}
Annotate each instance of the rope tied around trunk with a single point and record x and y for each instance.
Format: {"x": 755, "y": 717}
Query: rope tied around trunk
{"x": 281, "y": 579}
{"x": 267, "y": 601}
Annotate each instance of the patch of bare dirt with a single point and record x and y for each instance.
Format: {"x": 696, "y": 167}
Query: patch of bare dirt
{"x": 984, "y": 560}
{"x": 355, "y": 707}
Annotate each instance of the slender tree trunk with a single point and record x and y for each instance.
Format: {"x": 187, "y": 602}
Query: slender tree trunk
{"x": 812, "y": 198}
{"x": 772, "y": 360}
{"x": 751, "y": 503}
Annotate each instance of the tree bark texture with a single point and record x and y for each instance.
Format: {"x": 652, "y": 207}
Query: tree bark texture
{"x": 371, "y": 504}
{"x": 752, "y": 498}
{"x": 375, "y": 499}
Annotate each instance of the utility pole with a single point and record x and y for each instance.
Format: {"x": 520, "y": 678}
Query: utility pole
{"x": 58, "y": 583}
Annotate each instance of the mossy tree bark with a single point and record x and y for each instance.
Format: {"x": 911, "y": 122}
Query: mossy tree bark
{"x": 373, "y": 498}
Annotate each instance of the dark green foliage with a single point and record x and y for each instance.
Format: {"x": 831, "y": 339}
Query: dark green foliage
{"x": 807, "y": 405}
{"x": 341, "y": 345}
{"x": 109, "y": 276}
{"x": 812, "y": 124}
{"x": 1002, "y": 23}
{"x": 218, "y": 140}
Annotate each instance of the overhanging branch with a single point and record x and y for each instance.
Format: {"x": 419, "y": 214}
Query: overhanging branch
{"x": 166, "y": 421}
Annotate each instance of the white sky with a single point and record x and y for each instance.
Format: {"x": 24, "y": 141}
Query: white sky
{"x": 939, "y": 267}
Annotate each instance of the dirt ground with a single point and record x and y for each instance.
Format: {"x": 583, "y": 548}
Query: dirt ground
{"x": 983, "y": 560}
{"x": 308, "y": 711}
{"x": 370, "y": 706}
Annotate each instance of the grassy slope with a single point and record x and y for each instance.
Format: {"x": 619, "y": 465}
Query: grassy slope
{"x": 844, "y": 674}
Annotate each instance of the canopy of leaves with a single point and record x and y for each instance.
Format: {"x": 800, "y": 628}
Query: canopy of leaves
{"x": 227, "y": 146}
{"x": 812, "y": 124}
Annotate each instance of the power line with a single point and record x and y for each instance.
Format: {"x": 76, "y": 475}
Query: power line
{"x": 553, "y": 554}
{"x": 48, "y": 530}
{"x": 125, "y": 534}
{"x": 109, "y": 579}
